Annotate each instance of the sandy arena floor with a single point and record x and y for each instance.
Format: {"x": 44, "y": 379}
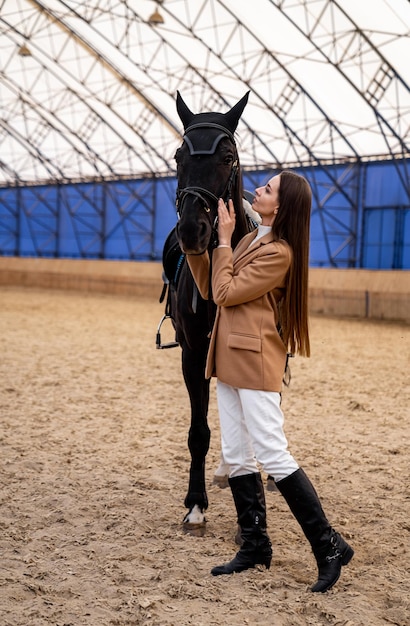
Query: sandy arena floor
{"x": 94, "y": 466}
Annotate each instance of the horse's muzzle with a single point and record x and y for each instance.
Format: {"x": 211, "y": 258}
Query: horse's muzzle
{"x": 193, "y": 241}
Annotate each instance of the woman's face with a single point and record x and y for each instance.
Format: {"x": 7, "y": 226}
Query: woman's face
{"x": 266, "y": 201}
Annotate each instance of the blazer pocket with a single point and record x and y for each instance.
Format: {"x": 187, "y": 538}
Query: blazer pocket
{"x": 244, "y": 342}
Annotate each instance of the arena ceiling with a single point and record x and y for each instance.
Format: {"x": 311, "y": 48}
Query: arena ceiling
{"x": 87, "y": 89}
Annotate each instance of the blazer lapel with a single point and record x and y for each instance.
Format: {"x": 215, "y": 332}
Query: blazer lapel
{"x": 242, "y": 249}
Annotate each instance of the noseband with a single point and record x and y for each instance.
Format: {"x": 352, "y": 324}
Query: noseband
{"x": 199, "y": 192}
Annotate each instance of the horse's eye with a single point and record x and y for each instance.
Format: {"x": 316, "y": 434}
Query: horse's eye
{"x": 228, "y": 159}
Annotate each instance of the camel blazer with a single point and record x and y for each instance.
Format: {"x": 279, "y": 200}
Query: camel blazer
{"x": 246, "y": 350}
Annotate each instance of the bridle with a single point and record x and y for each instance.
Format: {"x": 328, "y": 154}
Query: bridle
{"x": 204, "y": 194}
{"x": 200, "y": 192}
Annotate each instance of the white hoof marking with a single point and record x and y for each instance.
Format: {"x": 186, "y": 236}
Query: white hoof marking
{"x": 195, "y": 516}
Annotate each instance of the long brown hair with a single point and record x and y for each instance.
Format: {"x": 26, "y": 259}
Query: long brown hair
{"x": 292, "y": 223}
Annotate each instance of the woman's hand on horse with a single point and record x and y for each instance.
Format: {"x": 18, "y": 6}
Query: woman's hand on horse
{"x": 226, "y": 222}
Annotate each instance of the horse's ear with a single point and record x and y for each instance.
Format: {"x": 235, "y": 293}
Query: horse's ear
{"x": 184, "y": 113}
{"x": 233, "y": 116}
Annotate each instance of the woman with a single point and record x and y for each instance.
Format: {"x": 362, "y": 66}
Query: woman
{"x": 261, "y": 290}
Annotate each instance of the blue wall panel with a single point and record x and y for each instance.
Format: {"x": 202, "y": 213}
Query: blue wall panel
{"x": 37, "y": 218}
{"x": 360, "y": 217}
{"x": 406, "y": 246}
{"x": 165, "y": 216}
{"x": 386, "y": 222}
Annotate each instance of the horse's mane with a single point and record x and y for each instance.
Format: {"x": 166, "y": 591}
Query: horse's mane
{"x": 243, "y": 224}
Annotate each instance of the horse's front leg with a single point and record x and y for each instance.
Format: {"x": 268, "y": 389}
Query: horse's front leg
{"x": 196, "y": 500}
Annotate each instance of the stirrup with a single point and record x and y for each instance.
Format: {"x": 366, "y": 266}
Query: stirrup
{"x": 159, "y": 344}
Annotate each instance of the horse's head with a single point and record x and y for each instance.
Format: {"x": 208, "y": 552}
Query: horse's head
{"x": 207, "y": 169}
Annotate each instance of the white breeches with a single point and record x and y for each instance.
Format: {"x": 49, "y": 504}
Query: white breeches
{"x": 252, "y": 432}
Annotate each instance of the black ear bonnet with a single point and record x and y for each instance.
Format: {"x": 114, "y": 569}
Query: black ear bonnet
{"x": 204, "y": 131}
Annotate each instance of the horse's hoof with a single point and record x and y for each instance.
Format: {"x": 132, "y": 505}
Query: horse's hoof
{"x": 195, "y": 530}
{"x": 271, "y": 485}
{"x": 194, "y": 522}
{"x": 221, "y": 481}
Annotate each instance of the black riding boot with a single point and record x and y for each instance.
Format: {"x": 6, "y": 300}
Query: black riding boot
{"x": 256, "y": 549}
{"x": 330, "y": 549}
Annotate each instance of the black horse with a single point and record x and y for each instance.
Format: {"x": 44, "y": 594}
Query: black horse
{"x": 207, "y": 169}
